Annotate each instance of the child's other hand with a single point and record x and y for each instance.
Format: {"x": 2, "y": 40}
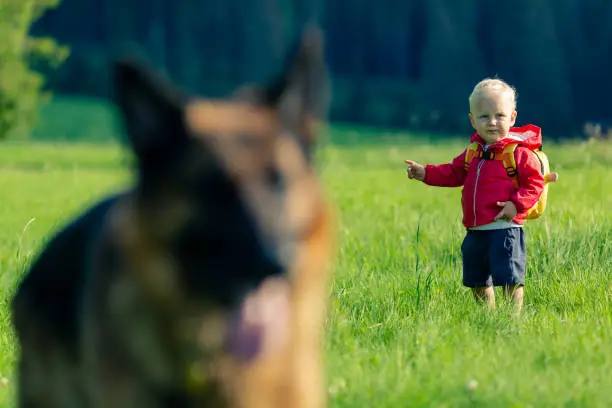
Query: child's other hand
{"x": 415, "y": 170}
{"x": 508, "y": 211}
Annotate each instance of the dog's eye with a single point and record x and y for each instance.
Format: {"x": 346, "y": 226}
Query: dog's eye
{"x": 247, "y": 141}
{"x": 274, "y": 178}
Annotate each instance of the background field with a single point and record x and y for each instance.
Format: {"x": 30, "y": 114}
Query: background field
{"x": 402, "y": 331}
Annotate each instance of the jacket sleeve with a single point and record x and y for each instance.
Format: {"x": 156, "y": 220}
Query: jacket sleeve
{"x": 446, "y": 175}
{"x": 530, "y": 178}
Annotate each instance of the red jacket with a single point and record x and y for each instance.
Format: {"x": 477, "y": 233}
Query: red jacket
{"x": 486, "y": 182}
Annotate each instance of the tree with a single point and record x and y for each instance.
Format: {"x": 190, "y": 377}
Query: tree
{"x": 452, "y": 64}
{"x": 21, "y": 87}
{"x": 528, "y": 53}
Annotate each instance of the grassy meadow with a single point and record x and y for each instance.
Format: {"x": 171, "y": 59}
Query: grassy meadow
{"x": 402, "y": 331}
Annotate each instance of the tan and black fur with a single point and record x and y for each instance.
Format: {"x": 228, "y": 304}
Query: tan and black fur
{"x": 141, "y": 300}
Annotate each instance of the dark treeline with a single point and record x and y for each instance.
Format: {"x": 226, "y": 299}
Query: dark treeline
{"x": 396, "y": 63}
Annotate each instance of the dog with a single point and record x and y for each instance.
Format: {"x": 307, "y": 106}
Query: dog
{"x": 205, "y": 283}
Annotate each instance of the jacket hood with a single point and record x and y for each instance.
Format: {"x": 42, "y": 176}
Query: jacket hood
{"x": 529, "y": 136}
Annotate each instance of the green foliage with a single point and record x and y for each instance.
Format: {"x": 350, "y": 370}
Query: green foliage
{"x": 21, "y": 87}
{"x": 403, "y": 64}
{"x": 77, "y": 119}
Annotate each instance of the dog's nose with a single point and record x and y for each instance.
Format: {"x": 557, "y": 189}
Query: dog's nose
{"x": 279, "y": 257}
{"x": 272, "y": 265}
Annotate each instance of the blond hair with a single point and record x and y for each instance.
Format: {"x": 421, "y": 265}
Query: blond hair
{"x": 495, "y": 85}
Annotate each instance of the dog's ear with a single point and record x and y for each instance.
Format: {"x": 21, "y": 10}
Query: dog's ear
{"x": 151, "y": 109}
{"x": 302, "y": 90}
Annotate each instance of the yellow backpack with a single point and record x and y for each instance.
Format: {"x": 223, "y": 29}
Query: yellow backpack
{"x": 507, "y": 157}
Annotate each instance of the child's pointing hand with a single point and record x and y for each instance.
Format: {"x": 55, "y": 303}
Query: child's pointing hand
{"x": 415, "y": 170}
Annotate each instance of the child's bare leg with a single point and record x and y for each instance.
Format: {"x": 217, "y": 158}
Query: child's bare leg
{"x": 515, "y": 292}
{"x": 485, "y": 294}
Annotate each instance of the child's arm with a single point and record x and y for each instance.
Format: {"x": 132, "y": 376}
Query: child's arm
{"x": 446, "y": 175}
{"x": 531, "y": 181}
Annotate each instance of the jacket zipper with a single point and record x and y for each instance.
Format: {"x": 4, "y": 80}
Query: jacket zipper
{"x": 480, "y": 163}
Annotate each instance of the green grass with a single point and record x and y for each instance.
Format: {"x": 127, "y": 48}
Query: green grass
{"x": 402, "y": 331}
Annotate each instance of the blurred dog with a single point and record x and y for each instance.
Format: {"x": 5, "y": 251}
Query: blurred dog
{"x": 205, "y": 284}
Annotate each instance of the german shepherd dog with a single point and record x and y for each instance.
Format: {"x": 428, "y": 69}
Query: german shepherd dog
{"x": 205, "y": 284}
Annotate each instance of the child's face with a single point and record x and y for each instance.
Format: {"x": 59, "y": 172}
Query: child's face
{"x": 492, "y": 114}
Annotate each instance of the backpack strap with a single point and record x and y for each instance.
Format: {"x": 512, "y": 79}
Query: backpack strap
{"x": 471, "y": 152}
{"x": 507, "y": 158}
{"x": 510, "y": 163}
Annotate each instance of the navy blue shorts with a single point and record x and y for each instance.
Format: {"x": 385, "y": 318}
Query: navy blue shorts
{"x": 494, "y": 257}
